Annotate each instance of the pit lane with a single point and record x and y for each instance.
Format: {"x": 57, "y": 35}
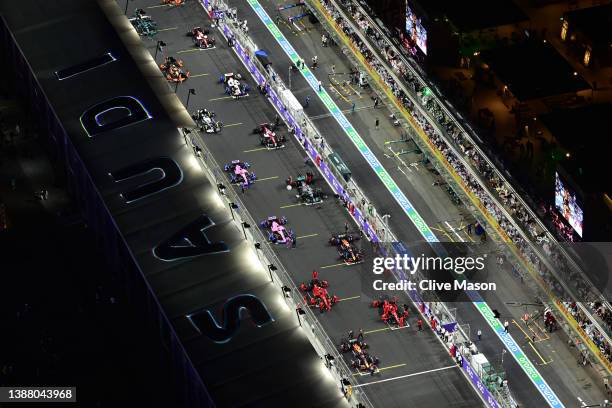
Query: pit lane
{"x": 402, "y": 352}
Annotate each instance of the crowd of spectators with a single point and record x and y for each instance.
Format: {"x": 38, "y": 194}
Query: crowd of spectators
{"x": 461, "y": 144}
{"x": 589, "y": 328}
{"x": 604, "y": 313}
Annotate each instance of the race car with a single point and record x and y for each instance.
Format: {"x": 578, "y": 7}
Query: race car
{"x": 362, "y": 361}
{"x": 143, "y": 24}
{"x": 202, "y": 38}
{"x": 267, "y": 223}
{"x": 206, "y": 121}
{"x": 315, "y": 293}
{"x": 239, "y": 173}
{"x": 349, "y": 253}
{"x": 353, "y": 344}
{"x": 268, "y": 137}
{"x": 277, "y": 233}
{"x": 306, "y": 193}
{"x": 390, "y": 312}
{"x": 309, "y": 195}
{"x": 173, "y": 70}
{"x": 233, "y": 85}
{"x": 198, "y": 30}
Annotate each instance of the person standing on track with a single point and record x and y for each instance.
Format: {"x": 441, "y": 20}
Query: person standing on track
{"x": 315, "y": 62}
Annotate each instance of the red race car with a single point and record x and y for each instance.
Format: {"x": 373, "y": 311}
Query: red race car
{"x": 202, "y": 38}
{"x": 316, "y": 294}
{"x": 390, "y": 312}
{"x": 270, "y": 138}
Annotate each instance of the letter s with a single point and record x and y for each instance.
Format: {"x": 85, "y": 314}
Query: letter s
{"x": 204, "y": 322}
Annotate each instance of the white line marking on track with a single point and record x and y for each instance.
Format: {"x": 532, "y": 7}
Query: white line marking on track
{"x": 455, "y": 232}
{"x": 405, "y": 376}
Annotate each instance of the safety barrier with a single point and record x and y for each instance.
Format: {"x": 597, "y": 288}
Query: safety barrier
{"x": 524, "y": 261}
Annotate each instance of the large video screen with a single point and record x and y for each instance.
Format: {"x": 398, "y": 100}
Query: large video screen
{"x": 415, "y": 29}
{"x": 567, "y": 204}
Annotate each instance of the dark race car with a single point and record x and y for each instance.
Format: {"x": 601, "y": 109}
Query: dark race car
{"x": 277, "y": 233}
{"x": 365, "y": 362}
{"x": 353, "y": 344}
{"x": 349, "y": 253}
{"x": 306, "y": 192}
{"x": 390, "y": 312}
{"x": 172, "y": 69}
{"x": 239, "y": 173}
{"x": 143, "y": 23}
{"x": 234, "y": 85}
{"x": 315, "y": 293}
{"x": 269, "y": 137}
{"x": 202, "y": 38}
{"x": 361, "y": 359}
{"x": 206, "y": 121}
{"x": 310, "y": 195}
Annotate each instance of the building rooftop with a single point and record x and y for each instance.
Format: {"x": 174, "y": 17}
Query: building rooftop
{"x": 462, "y": 14}
{"x": 594, "y": 22}
{"x": 582, "y": 132}
{"x": 534, "y": 69}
